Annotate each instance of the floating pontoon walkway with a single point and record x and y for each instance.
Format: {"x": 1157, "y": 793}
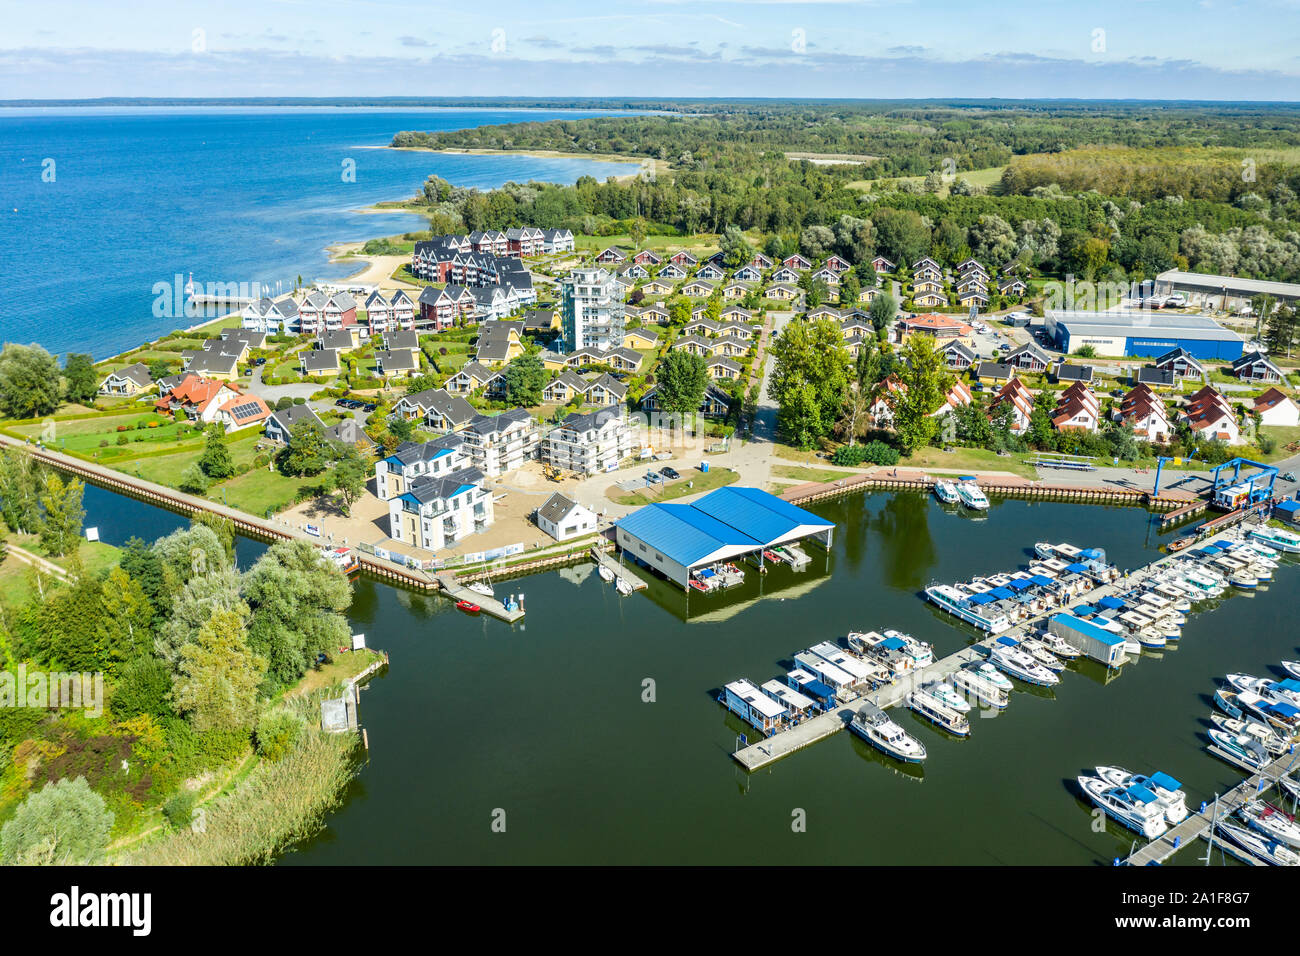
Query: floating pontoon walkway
{"x": 1200, "y": 824}
{"x": 620, "y": 573}
{"x": 458, "y": 592}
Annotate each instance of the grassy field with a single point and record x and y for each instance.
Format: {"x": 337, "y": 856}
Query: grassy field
{"x": 976, "y": 177}
{"x": 809, "y": 474}
{"x": 15, "y": 577}
{"x": 690, "y": 484}
{"x": 967, "y": 459}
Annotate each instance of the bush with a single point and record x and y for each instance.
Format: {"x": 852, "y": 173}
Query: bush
{"x": 179, "y": 810}
{"x": 261, "y": 460}
{"x": 876, "y": 452}
{"x": 300, "y": 401}
{"x": 241, "y": 468}
{"x": 276, "y": 734}
{"x": 143, "y": 686}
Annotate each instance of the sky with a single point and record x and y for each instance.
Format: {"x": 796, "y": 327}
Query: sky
{"x": 1103, "y": 49}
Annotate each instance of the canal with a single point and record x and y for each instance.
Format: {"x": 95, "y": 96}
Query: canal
{"x": 537, "y": 744}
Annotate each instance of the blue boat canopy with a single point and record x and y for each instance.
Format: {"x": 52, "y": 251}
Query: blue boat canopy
{"x": 966, "y": 478}
{"x": 1001, "y": 593}
{"x": 1286, "y": 710}
{"x": 1092, "y": 554}
{"x": 818, "y": 690}
{"x": 980, "y": 599}
{"x": 1211, "y": 549}
{"x": 1077, "y": 568}
{"x": 1141, "y": 794}
{"x": 1008, "y": 641}
{"x": 1110, "y": 603}
{"x": 1290, "y": 684}
{"x": 1020, "y": 583}
{"x": 1042, "y": 580}
{"x": 1164, "y": 781}
{"x": 892, "y": 644}
{"x": 1084, "y": 609}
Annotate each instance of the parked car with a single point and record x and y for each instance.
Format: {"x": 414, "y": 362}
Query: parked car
{"x": 669, "y": 473}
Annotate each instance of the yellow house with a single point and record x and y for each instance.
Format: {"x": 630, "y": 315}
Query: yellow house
{"x": 640, "y": 339}
{"x": 930, "y": 300}
{"x": 926, "y": 285}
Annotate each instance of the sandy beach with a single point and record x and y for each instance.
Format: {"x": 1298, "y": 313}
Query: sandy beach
{"x": 660, "y": 165}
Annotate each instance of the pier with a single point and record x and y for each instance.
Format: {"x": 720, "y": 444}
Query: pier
{"x": 489, "y": 605}
{"x": 1201, "y": 823}
{"x": 621, "y": 575}
{"x": 785, "y": 742}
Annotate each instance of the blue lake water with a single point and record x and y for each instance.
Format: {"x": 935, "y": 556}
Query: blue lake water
{"x": 99, "y": 205}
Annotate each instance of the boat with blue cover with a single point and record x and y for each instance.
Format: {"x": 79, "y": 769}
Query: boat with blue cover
{"x": 980, "y": 610}
{"x": 874, "y": 726}
{"x": 1132, "y": 805}
{"x": 1168, "y": 791}
{"x": 1007, "y": 656}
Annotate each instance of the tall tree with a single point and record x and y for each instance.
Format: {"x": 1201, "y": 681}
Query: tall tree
{"x": 62, "y": 513}
{"x": 927, "y": 380}
{"x": 348, "y": 480}
{"x": 126, "y": 626}
{"x": 298, "y": 602}
{"x": 682, "y": 379}
{"x": 81, "y": 380}
{"x": 809, "y": 379}
{"x": 525, "y": 379}
{"x": 308, "y": 451}
{"x": 20, "y": 490}
{"x": 215, "y": 460}
{"x": 63, "y": 823}
{"x": 30, "y": 383}
{"x": 219, "y": 676}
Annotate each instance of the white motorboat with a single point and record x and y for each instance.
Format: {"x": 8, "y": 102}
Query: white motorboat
{"x": 948, "y": 695}
{"x": 1135, "y": 807}
{"x": 983, "y": 690}
{"x": 971, "y": 495}
{"x": 1007, "y": 656}
{"x": 1271, "y": 822}
{"x": 988, "y": 672}
{"x": 1273, "y": 742}
{"x": 922, "y": 654}
{"x": 1259, "y": 846}
{"x": 1059, "y": 645}
{"x": 1290, "y": 786}
{"x": 1039, "y": 652}
{"x": 1283, "y": 691}
{"x": 1168, "y": 791}
{"x": 932, "y": 709}
{"x": 973, "y": 608}
{"x": 1292, "y": 668}
{"x": 1246, "y": 750}
{"x": 1279, "y": 538}
{"x": 874, "y": 726}
{"x": 946, "y": 492}
{"x": 1176, "y": 598}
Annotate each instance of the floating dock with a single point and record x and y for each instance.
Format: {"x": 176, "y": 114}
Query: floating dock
{"x": 1199, "y": 825}
{"x": 785, "y": 742}
{"x": 458, "y": 592}
{"x": 620, "y": 573}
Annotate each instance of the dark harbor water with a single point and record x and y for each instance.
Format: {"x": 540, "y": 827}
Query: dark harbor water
{"x": 546, "y": 721}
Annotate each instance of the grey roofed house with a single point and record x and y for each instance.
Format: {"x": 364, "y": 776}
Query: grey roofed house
{"x": 389, "y": 361}
{"x": 591, "y": 421}
{"x": 169, "y": 382}
{"x": 319, "y": 361}
{"x": 245, "y": 337}
{"x": 338, "y": 339}
{"x": 348, "y": 432}
{"x": 721, "y": 361}
{"x": 493, "y": 424}
{"x": 401, "y": 339}
{"x": 1178, "y": 354}
{"x": 428, "y": 488}
{"x": 281, "y": 422}
{"x": 611, "y": 385}
{"x": 568, "y": 378}
{"x": 343, "y": 301}
{"x": 1156, "y": 377}
{"x": 410, "y": 452}
{"x": 1073, "y": 373}
{"x": 631, "y": 356}
{"x": 1031, "y": 352}
{"x": 214, "y": 362}
{"x": 137, "y": 373}
{"x": 556, "y": 508}
{"x": 953, "y": 346}
{"x": 316, "y": 298}
{"x": 477, "y": 371}
{"x": 452, "y": 409}
{"x": 993, "y": 370}
{"x": 494, "y": 340}
{"x": 539, "y": 320}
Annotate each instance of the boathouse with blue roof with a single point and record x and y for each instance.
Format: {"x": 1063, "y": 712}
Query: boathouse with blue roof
{"x": 1103, "y": 646}
{"x": 725, "y": 525}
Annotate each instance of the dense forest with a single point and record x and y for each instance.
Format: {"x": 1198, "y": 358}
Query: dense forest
{"x": 1208, "y": 188}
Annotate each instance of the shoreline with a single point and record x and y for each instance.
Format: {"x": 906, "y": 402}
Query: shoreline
{"x": 660, "y": 165}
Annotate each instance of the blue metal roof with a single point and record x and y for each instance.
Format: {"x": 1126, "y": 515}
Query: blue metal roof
{"x": 756, "y": 513}
{"x": 1088, "y": 629}
{"x": 728, "y": 517}
{"x": 1289, "y": 507}
{"x": 683, "y": 533}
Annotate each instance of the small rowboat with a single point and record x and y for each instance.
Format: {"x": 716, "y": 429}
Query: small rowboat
{"x": 469, "y": 607}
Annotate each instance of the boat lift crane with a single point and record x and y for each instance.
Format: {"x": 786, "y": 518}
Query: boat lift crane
{"x": 1238, "y": 492}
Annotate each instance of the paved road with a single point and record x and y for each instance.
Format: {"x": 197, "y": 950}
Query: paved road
{"x": 1196, "y": 482}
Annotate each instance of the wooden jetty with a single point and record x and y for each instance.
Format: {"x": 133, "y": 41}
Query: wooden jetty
{"x": 458, "y": 592}
{"x": 604, "y": 560}
{"x": 1200, "y": 825}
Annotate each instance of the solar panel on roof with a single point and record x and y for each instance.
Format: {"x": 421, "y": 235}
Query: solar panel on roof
{"x": 246, "y": 409}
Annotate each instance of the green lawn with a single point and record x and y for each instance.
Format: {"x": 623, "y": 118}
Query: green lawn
{"x": 692, "y": 483}
{"x": 261, "y": 489}
{"x": 967, "y": 459}
{"x": 976, "y": 177}
{"x": 810, "y": 474}
{"x": 15, "y": 577}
